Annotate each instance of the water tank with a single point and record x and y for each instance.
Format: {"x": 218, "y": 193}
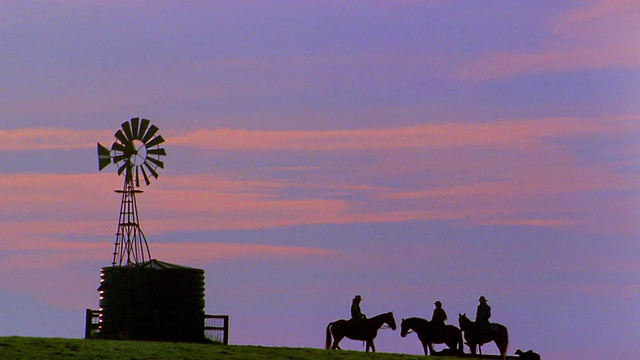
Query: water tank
{"x": 153, "y": 300}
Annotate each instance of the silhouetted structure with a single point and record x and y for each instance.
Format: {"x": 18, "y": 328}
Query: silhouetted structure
{"x": 474, "y": 336}
{"x": 136, "y": 151}
{"x": 368, "y": 330}
{"x": 430, "y": 333}
{"x": 153, "y": 300}
{"x": 143, "y": 298}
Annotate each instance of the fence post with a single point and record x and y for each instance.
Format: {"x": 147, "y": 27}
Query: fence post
{"x": 88, "y": 319}
{"x": 225, "y": 336}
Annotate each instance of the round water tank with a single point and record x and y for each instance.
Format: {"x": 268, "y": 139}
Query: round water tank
{"x": 153, "y": 300}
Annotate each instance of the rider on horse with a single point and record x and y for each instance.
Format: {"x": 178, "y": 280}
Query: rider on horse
{"x": 356, "y": 313}
{"x": 483, "y": 313}
{"x": 357, "y": 317}
{"x": 439, "y": 316}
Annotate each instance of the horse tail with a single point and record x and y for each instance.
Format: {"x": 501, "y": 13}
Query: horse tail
{"x": 460, "y": 343}
{"x": 327, "y": 343}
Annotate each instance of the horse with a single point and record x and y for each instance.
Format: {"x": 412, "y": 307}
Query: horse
{"x": 429, "y": 334}
{"x": 366, "y": 330}
{"x": 473, "y": 336}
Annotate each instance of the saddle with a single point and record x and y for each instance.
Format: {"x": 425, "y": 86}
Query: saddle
{"x": 357, "y": 325}
{"x": 485, "y": 333}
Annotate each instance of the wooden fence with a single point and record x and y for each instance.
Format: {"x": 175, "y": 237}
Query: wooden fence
{"x": 216, "y": 328}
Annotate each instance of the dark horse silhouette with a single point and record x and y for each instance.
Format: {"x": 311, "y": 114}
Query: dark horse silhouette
{"x": 367, "y": 330}
{"x": 473, "y": 336}
{"x": 430, "y": 334}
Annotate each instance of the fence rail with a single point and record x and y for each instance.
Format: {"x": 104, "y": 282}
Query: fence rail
{"x": 216, "y": 327}
{"x": 92, "y": 323}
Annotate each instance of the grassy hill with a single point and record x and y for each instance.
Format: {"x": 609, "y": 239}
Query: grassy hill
{"x": 57, "y": 348}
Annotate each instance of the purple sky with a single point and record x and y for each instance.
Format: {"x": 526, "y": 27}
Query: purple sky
{"x": 406, "y": 151}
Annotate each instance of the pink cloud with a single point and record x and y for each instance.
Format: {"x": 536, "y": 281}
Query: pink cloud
{"x": 447, "y": 134}
{"x": 499, "y": 133}
{"x": 212, "y": 251}
{"x": 57, "y": 254}
{"x": 525, "y": 165}
{"x": 49, "y": 138}
{"x": 601, "y": 34}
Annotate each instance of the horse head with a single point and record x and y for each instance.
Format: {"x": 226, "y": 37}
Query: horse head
{"x": 390, "y": 320}
{"x": 404, "y": 328}
{"x": 463, "y": 321}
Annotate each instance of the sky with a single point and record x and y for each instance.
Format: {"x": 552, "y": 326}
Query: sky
{"x": 406, "y": 151}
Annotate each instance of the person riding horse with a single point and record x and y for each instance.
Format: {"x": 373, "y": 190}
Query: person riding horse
{"x": 357, "y": 317}
{"x": 483, "y": 313}
{"x": 439, "y": 316}
{"x": 356, "y": 313}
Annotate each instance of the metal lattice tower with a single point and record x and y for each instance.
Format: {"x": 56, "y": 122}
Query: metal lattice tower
{"x": 136, "y": 151}
{"x": 131, "y": 245}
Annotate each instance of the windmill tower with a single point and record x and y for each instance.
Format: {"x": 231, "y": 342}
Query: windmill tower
{"x": 135, "y": 152}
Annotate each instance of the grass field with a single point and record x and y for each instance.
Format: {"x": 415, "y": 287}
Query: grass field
{"x": 57, "y": 348}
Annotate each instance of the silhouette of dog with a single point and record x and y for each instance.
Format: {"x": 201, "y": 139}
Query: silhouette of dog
{"x": 527, "y": 355}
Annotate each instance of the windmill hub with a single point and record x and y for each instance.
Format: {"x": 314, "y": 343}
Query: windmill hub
{"x": 139, "y": 155}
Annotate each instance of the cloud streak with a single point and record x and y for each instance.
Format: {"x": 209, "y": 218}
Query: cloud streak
{"x": 598, "y": 35}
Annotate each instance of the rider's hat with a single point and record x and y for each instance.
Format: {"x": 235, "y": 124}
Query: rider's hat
{"x": 482, "y": 298}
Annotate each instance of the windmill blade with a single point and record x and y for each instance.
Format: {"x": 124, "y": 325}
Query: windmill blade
{"x": 156, "y": 162}
{"x": 123, "y": 167}
{"x": 121, "y": 157}
{"x": 118, "y": 147}
{"x": 137, "y": 177}
{"x": 152, "y": 131}
{"x": 121, "y": 136}
{"x": 104, "y": 157}
{"x": 126, "y": 126}
{"x": 143, "y": 128}
{"x": 157, "y": 151}
{"x": 156, "y": 141}
{"x": 145, "y": 176}
{"x": 151, "y": 169}
{"x": 135, "y": 124}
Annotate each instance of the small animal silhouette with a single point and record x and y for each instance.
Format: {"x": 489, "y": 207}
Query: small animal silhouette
{"x": 527, "y": 355}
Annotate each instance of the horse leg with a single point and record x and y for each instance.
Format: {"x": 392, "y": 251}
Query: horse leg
{"x": 472, "y": 348}
{"x": 430, "y": 348}
{"x": 336, "y": 341}
{"x": 425, "y": 346}
{"x": 371, "y": 345}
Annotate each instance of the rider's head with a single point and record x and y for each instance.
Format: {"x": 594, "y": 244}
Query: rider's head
{"x": 357, "y": 298}
{"x": 482, "y": 299}
{"x": 438, "y": 304}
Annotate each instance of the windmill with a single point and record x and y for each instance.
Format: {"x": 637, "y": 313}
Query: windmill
{"x": 136, "y": 153}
